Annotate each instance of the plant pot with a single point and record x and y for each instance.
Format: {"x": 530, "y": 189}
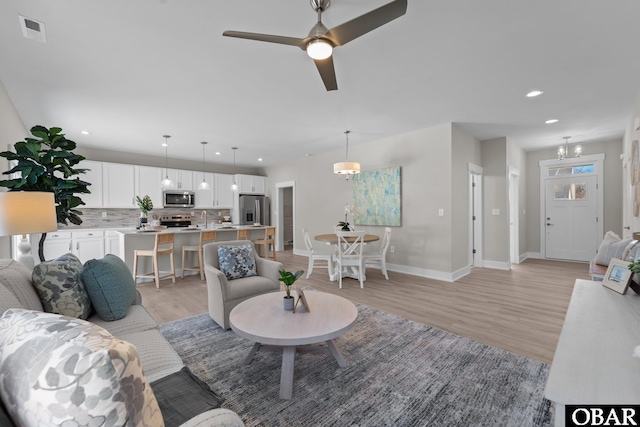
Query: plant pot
{"x": 346, "y": 229}
{"x": 288, "y": 303}
{"x": 141, "y": 220}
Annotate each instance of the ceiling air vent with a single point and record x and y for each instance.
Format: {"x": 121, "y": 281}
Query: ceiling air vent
{"x": 32, "y": 29}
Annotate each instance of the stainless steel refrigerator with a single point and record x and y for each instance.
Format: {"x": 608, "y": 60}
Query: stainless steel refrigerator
{"x": 254, "y": 210}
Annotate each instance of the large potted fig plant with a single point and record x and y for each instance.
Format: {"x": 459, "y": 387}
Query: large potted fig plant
{"x": 47, "y": 163}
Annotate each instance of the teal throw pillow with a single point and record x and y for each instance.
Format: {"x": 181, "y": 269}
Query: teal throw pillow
{"x": 60, "y": 288}
{"x": 237, "y": 262}
{"x": 110, "y": 286}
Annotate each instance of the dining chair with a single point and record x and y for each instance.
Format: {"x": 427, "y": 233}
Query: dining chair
{"x": 163, "y": 246}
{"x": 349, "y": 254}
{"x": 315, "y": 255}
{"x": 268, "y": 239}
{"x": 205, "y": 237}
{"x": 379, "y": 259}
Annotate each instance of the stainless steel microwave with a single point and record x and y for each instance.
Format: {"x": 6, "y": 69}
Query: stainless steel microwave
{"x": 179, "y": 199}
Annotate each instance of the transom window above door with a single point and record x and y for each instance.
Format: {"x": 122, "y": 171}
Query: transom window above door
{"x": 571, "y": 170}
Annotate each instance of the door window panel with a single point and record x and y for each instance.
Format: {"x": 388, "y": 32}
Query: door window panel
{"x": 573, "y": 191}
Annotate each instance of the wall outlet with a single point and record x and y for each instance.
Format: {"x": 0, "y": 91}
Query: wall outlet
{"x": 440, "y": 212}
{"x": 393, "y": 249}
{"x": 104, "y": 214}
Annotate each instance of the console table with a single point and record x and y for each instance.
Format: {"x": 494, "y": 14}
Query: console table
{"x": 593, "y": 362}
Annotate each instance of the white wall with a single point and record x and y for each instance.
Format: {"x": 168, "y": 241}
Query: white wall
{"x": 631, "y": 134}
{"x": 496, "y": 196}
{"x": 12, "y": 130}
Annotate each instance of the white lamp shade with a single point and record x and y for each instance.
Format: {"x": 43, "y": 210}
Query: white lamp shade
{"x": 166, "y": 183}
{"x": 319, "y": 49}
{"x": 204, "y": 185}
{"x": 26, "y": 212}
{"x": 346, "y": 168}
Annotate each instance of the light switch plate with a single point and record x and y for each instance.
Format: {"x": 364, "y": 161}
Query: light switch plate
{"x": 440, "y": 212}
{"x": 495, "y": 211}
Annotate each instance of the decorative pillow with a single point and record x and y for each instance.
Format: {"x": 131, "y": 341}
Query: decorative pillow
{"x": 237, "y": 262}
{"x": 59, "y": 286}
{"x": 183, "y": 396}
{"x": 17, "y": 278}
{"x": 57, "y": 370}
{"x": 110, "y": 286}
{"x": 611, "y": 247}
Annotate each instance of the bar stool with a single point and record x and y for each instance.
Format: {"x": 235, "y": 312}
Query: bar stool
{"x": 243, "y": 234}
{"x": 162, "y": 239}
{"x": 269, "y": 238}
{"x": 205, "y": 236}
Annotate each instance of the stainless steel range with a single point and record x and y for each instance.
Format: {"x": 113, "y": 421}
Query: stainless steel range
{"x": 177, "y": 220}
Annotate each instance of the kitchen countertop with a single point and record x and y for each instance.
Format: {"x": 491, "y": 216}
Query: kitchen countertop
{"x": 192, "y": 230}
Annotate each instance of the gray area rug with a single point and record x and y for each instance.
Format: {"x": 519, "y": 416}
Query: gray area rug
{"x": 399, "y": 373}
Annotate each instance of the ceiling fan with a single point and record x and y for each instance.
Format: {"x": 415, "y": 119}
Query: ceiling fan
{"x": 320, "y": 42}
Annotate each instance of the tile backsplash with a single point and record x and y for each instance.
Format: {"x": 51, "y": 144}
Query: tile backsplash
{"x": 128, "y": 218}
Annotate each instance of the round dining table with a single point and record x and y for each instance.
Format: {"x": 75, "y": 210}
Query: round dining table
{"x": 332, "y": 239}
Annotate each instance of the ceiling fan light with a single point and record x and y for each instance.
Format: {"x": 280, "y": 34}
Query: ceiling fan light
{"x": 346, "y": 168}
{"x": 319, "y": 49}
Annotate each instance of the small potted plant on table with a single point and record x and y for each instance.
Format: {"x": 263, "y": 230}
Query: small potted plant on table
{"x": 288, "y": 278}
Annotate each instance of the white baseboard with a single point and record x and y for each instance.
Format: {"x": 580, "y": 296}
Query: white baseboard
{"x": 534, "y": 255}
{"x": 497, "y": 265}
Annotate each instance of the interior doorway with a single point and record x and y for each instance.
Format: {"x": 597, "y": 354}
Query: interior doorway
{"x": 514, "y": 226}
{"x": 475, "y": 216}
{"x": 284, "y": 215}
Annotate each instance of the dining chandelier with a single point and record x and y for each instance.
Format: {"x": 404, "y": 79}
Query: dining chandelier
{"x": 204, "y": 185}
{"x": 166, "y": 182}
{"x": 346, "y": 170}
{"x": 563, "y": 150}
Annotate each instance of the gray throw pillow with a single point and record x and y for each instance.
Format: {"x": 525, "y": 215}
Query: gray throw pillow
{"x": 237, "y": 262}
{"x": 60, "y": 288}
{"x": 611, "y": 248}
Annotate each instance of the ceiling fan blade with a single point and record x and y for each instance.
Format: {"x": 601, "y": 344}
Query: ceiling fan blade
{"x": 327, "y": 72}
{"x": 344, "y": 33}
{"x": 291, "y": 41}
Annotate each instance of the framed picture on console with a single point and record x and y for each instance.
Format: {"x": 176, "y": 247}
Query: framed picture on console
{"x": 618, "y": 276}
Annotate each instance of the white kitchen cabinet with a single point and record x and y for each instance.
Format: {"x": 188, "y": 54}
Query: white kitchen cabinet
{"x": 93, "y": 175}
{"x": 223, "y": 194}
{"x": 111, "y": 243}
{"x": 148, "y": 183}
{"x": 182, "y": 180}
{"x": 205, "y": 198}
{"x": 251, "y": 184}
{"x": 88, "y": 244}
{"x": 56, "y": 244}
{"x": 118, "y": 185}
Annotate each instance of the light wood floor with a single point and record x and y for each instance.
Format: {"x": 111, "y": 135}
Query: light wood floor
{"x": 521, "y": 310}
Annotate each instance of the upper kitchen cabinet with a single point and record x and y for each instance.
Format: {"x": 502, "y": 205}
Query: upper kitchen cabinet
{"x": 182, "y": 180}
{"x": 118, "y": 185}
{"x": 93, "y": 175}
{"x": 223, "y": 194}
{"x": 251, "y": 184}
{"x": 148, "y": 180}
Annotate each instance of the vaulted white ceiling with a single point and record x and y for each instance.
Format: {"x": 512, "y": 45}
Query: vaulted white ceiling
{"x": 131, "y": 71}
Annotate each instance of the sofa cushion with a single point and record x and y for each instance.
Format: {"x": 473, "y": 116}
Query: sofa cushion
{"x": 237, "y": 262}
{"x": 137, "y": 319}
{"x": 17, "y": 278}
{"x": 110, "y": 286}
{"x": 8, "y": 300}
{"x": 58, "y": 370}
{"x": 611, "y": 247}
{"x": 182, "y": 396}
{"x": 59, "y": 286}
{"x": 158, "y": 357}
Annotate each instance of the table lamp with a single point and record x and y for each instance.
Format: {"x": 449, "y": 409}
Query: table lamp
{"x": 26, "y": 212}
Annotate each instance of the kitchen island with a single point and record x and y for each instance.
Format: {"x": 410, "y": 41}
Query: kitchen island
{"x": 130, "y": 240}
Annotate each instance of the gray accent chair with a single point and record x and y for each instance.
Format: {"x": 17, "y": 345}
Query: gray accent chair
{"x": 223, "y": 294}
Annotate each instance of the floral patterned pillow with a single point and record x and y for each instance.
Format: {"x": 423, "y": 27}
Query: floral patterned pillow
{"x": 237, "y": 262}
{"x": 58, "y": 371}
{"x": 60, "y": 288}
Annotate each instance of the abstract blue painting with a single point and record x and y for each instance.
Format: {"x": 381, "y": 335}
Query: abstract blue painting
{"x": 377, "y": 197}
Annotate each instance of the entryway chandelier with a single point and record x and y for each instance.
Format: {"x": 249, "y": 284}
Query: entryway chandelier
{"x": 346, "y": 170}
{"x": 563, "y": 150}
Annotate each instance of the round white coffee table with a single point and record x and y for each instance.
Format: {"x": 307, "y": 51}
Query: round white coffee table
{"x": 263, "y": 319}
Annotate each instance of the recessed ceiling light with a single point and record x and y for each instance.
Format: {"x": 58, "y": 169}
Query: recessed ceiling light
{"x": 260, "y": 159}
{"x": 534, "y": 93}
{"x": 85, "y": 132}
{"x": 308, "y": 155}
{"x": 217, "y": 153}
{"x": 551, "y": 121}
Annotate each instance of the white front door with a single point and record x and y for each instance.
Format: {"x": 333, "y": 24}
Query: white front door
{"x": 571, "y": 220}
